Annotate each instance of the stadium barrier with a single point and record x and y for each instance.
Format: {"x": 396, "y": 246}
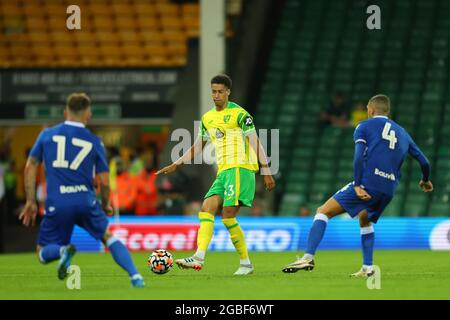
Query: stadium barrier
{"x": 271, "y": 234}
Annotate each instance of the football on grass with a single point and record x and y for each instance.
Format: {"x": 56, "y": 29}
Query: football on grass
{"x": 160, "y": 261}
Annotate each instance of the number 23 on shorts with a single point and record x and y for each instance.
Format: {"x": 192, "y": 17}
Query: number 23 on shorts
{"x": 229, "y": 191}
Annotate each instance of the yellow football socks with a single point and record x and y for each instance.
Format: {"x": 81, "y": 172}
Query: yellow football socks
{"x": 237, "y": 237}
{"x": 205, "y": 233}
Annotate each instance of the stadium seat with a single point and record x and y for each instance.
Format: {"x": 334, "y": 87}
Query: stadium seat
{"x": 311, "y": 59}
{"x": 129, "y": 37}
{"x": 125, "y": 23}
{"x": 291, "y": 203}
{"x": 122, "y": 10}
{"x": 167, "y": 9}
{"x": 107, "y": 37}
{"x": 440, "y": 206}
{"x": 119, "y": 23}
{"x": 416, "y": 204}
{"x": 36, "y": 23}
{"x": 144, "y": 9}
{"x": 395, "y": 207}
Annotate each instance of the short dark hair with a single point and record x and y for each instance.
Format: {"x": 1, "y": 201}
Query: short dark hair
{"x": 78, "y": 102}
{"x": 381, "y": 103}
{"x": 222, "y": 79}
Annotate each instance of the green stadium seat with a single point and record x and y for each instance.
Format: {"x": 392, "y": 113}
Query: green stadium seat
{"x": 303, "y": 153}
{"x": 313, "y": 206}
{"x": 332, "y": 132}
{"x": 342, "y": 87}
{"x": 395, "y": 207}
{"x": 307, "y": 131}
{"x": 323, "y": 176}
{"x": 296, "y": 187}
{"x": 327, "y": 152}
{"x": 291, "y": 203}
{"x": 301, "y": 165}
{"x": 319, "y": 196}
{"x": 415, "y": 83}
{"x": 444, "y": 151}
{"x": 305, "y": 142}
{"x": 388, "y": 86}
{"x": 325, "y": 164}
{"x": 401, "y": 187}
{"x": 443, "y": 164}
{"x": 346, "y": 166}
{"x": 440, "y": 207}
{"x": 298, "y": 176}
{"x": 347, "y": 153}
{"x": 318, "y": 52}
{"x": 416, "y": 204}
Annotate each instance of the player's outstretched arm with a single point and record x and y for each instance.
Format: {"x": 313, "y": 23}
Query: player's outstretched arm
{"x": 29, "y": 212}
{"x": 255, "y": 143}
{"x": 104, "y": 192}
{"x": 195, "y": 149}
{"x": 414, "y": 151}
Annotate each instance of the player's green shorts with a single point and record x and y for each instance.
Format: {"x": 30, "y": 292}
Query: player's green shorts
{"x": 236, "y": 186}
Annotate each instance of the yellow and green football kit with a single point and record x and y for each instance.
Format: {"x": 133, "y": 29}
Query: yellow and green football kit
{"x": 237, "y": 162}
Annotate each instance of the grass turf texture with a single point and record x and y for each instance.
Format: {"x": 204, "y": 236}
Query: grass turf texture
{"x": 405, "y": 275}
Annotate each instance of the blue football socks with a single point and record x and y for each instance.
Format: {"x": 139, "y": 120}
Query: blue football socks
{"x": 121, "y": 256}
{"x": 316, "y": 233}
{"x": 367, "y": 243}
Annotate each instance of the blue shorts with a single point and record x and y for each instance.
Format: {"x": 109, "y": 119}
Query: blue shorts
{"x": 348, "y": 200}
{"x": 59, "y": 221}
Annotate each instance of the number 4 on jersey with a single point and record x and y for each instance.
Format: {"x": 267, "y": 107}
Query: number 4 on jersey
{"x": 389, "y": 135}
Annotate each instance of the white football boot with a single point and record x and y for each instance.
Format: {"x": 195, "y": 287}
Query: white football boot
{"x": 190, "y": 263}
{"x": 364, "y": 272}
{"x": 299, "y": 264}
{"x": 244, "y": 269}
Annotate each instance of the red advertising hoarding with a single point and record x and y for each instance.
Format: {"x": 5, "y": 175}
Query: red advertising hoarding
{"x": 148, "y": 237}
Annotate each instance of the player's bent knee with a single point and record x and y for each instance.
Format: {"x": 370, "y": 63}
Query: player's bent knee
{"x": 209, "y": 210}
{"x": 331, "y": 208}
{"x": 364, "y": 220}
{"x": 210, "y": 206}
{"x": 322, "y": 210}
{"x": 106, "y": 237}
{"x": 229, "y": 212}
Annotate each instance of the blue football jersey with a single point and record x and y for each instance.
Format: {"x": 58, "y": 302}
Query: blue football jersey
{"x": 71, "y": 155}
{"x": 387, "y": 145}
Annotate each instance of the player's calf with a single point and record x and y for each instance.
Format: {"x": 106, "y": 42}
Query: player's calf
{"x": 122, "y": 257}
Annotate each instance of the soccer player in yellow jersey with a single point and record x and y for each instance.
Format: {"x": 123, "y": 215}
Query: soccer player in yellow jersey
{"x": 238, "y": 151}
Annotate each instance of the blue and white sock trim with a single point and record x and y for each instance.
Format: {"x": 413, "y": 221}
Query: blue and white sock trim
{"x": 367, "y": 230}
{"x": 110, "y": 241}
{"x": 137, "y": 276}
{"x": 321, "y": 216}
{"x": 41, "y": 259}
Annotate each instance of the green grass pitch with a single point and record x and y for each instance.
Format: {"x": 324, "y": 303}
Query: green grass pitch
{"x": 406, "y": 274}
